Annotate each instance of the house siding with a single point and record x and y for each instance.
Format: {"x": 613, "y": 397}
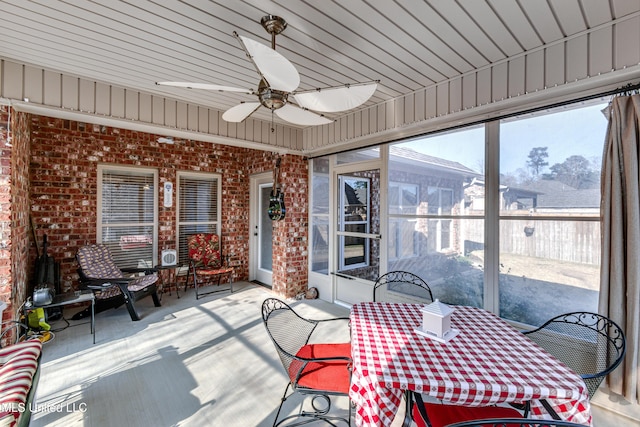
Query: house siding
{"x": 64, "y": 94}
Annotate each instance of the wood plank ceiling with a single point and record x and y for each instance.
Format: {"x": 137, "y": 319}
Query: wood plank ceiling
{"x": 406, "y": 44}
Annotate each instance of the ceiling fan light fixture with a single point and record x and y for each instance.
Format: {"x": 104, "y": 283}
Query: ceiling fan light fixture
{"x": 271, "y": 98}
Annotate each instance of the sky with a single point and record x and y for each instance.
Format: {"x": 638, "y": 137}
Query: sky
{"x": 576, "y": 131}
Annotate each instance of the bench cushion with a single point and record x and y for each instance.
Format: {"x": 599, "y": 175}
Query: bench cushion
{"x": 18, "y": 366}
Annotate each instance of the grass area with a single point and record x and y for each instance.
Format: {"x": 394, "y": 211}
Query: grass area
{"x": 531, "y": 289}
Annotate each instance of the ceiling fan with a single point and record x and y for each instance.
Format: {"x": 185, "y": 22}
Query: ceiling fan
{"x": 279, "y": 80}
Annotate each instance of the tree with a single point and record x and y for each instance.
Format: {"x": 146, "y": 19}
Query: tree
{"x": 520, "y": 176}
{"x": 508, "y": 179}
{"x": 537, "y": 161}
{"x": 577, "y": 172}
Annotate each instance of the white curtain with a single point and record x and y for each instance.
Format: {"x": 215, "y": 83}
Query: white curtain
{"x": 620, "y": 273}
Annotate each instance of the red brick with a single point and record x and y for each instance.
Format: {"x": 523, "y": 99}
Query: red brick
{"x": 50, "y": 173}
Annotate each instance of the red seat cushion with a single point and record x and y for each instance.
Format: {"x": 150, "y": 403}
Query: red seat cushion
{"x": 331, "y": 376}
{"x": 442, "y": 415}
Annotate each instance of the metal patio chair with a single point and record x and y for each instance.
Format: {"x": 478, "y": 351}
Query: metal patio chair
{"x": 402, "y": 287}
{"x": 206, "y": 265}
{"x": 590, "y": 344}
{"x": 317, "y": 370}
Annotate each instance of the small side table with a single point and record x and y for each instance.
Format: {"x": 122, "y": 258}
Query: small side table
{"x": 73, "y": 298}
{"x": 171, "y": 277}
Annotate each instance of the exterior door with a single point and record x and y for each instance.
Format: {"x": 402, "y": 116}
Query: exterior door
{"x": 261, "y": 244}
{"x": 357, "y": 236}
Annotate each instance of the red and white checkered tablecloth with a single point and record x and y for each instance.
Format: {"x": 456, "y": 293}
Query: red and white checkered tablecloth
{"x": 488, "y": 362}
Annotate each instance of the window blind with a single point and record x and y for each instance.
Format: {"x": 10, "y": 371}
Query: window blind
{"x": 128, "y": 216}
{"x": 199, "y": 208}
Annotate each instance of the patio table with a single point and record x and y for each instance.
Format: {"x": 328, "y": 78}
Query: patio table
{"x": 488, "y": 362}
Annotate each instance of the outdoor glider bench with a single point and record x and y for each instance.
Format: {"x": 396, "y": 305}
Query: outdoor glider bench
{"x": 19, "y": 374}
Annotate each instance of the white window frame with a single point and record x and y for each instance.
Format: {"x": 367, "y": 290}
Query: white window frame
{"x": 400, "y": 209}
{"x": 134, "y": 171}
{"x": 213, "y": 224}
{"x": 343, "y": 223}
{"x": 318, "y": 220}
{"x": 442, "y": 225}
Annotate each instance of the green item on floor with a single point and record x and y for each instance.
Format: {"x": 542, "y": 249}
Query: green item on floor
{"x": 37, "y": 319}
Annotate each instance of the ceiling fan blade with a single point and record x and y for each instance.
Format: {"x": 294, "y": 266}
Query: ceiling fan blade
{"x": 240, "y": 112}
{"x": 205, "y": 86}
{"x": 279, "y": 73}
{"x": 334, "y": 99}
{"x": 297, "y": 115}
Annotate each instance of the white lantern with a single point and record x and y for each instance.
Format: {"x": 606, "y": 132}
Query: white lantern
{"x": 436, "y": 321}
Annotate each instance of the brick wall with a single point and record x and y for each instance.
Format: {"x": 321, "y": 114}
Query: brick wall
{"x": 5, "y": 209}
{"x": 14, "y": 210}
{"x": 290, "y": 234}
{"x": 63, "y": 177}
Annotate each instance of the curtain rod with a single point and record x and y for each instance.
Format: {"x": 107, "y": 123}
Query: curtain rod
{"x": 627, "y": 89}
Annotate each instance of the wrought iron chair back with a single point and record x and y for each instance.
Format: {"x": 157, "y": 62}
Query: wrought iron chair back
{"x": 589, "y": 343}
{"x": 402, "y": 287}
{"x": 288, "y": 330}
{"x": 320, "y": 370}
